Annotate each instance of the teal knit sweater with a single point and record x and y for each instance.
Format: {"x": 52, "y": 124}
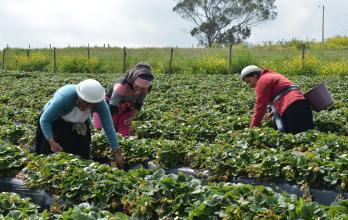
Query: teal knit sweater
{"x": 63, "y": 102}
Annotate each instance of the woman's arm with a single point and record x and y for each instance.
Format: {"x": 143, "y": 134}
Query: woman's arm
{"x": 105, "y": 118}
{"x": 106, "y": 121}
{"x": 263, "y": 96}
{"x": 117, "y": 92}
{"x": 63, "y": 101}
{"x": 52, "y": 112}
{"x": 138, "y": 104}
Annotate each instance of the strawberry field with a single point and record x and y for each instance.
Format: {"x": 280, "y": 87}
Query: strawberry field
{"x": 195, "y": 121}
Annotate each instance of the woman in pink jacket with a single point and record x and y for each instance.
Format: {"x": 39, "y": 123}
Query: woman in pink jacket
{"x": 290, "y": 110}
{"x": 126, "y": 96}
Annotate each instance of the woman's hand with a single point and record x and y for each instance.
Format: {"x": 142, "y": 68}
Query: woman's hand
{"x": 129, "y": 120}
{"x": 267, "y": 116}
{"x": 118, "y": 158}
{"x": 55, "y": 147}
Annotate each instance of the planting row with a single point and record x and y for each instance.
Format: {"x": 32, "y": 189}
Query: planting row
{"x": 200, "y": 121}
{"x": 151, "y": 195}
{"x": 12, "y": 206}
{"x": 195, "y": 107}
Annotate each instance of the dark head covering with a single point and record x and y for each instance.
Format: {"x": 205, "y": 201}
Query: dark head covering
{"x": 141, "y": 70}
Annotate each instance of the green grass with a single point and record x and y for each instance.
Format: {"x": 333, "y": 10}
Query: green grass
{"x": 184, "y": 59}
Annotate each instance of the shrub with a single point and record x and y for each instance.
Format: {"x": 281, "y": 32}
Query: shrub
{"x": 35, "y": 62}
{"x": 273, "y": 64}
{"x": 161, "y": 67}
{"x": 80, "y": 65}
{"x": 95, "y": 65}
{"x": 294, "y": 66}
{"x": 294, "y": 43}
{"x": 239, "y": 62}
{"x": 334, "y": 68}
{"x": 338, "y": 42}
{"x": 210, "y": 65}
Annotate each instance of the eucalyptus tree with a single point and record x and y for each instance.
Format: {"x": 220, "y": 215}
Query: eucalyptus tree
{"x": 224, "y": 21}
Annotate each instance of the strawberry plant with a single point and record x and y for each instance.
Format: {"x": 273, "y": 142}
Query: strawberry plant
{"x": 12, "y": 159}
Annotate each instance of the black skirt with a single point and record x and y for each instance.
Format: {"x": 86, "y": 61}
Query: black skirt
{"x": 298, "y": 117}
{"x": 69, "y": 140}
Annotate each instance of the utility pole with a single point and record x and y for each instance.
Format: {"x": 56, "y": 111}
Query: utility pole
{"x": 322, "y": 26}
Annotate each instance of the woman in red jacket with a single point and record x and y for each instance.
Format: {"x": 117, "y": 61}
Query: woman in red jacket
{"x": 290, "y": 110}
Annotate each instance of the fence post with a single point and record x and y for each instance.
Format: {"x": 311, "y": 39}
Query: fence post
{"x": 303, "y": 54}
{"x": 230, "y": 60}
{"x": 54, "y": 60}
{"x": 88, "y": 52}
{"x": 3, "y": 58}
{"x": 124, "y": 60}
{"x": 50, "y": 46}
{"x": 171, "y": 61}
{"x": 28, "y": 51}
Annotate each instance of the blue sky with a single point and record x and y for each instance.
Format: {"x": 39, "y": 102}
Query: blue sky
{"x": 148, "y": 23}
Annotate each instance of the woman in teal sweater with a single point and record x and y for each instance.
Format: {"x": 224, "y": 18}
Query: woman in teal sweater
{"x": 64, "y": 122}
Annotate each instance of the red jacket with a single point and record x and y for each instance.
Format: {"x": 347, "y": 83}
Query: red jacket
{"x": 267, "y": 87}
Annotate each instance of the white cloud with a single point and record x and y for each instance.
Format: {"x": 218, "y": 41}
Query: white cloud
{"x": 299, "y": 19}
{"x": 137, "y": 23}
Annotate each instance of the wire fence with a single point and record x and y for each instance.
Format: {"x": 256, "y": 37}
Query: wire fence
{"x": 168, "y": 60}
